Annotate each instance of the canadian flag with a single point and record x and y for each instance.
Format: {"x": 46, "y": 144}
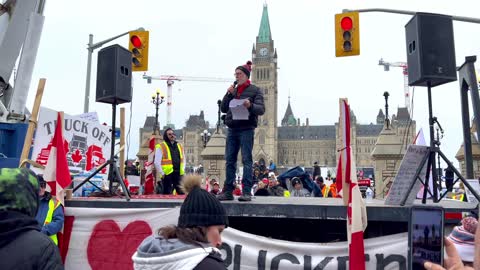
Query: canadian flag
{"x": 348, "y": 186}
{"x": 149, "y": 177}
{"x": 57, "y": 174}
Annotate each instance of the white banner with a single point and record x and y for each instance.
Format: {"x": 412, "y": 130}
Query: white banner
{"x": 107, "y": 239}
{"x": 88, "y": 143}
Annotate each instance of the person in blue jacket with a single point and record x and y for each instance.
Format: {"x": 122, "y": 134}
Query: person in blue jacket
{"x": 50, "y": 212}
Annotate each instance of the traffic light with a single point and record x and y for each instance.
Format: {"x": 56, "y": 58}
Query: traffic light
{"x": 347, "y": 34}
{"x": 138, "y": 46}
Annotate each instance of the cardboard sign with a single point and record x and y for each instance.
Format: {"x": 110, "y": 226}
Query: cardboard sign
{"x": 87, "y": 143}
{"x": 406, "y": 176}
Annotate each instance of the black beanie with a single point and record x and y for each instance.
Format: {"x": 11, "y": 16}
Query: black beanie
{"x": 246, "y": 68}
{"x": 200, "y": 208}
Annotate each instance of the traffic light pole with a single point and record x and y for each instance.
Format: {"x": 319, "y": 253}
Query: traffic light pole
{"x": 407, "y": 12}
{"x": 91, "y": 47}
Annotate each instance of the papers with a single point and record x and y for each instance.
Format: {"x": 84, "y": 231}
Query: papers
{"x": 239, "y": 112}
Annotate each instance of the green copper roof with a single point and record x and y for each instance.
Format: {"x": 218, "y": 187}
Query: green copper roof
{"x": 264, "y": 35}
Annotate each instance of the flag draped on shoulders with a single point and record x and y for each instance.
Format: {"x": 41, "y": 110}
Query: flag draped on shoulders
{"x": 348, "y": 188}
{"x": 149, "y": 177}
{"x": 57, "y": 174}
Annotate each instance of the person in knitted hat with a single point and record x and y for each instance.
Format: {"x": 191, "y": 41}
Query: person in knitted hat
{"x": 463, "y": 238}
{"x": 22, "y": 245}
{"x": 460, "y": 247}
{"x": 241, "y": 131}
{"x": 297, "y": 188}
{"x": 194, "y": 242}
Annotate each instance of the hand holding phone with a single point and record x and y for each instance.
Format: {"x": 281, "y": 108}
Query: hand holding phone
{"x": 426, "y": 236}
{"x": 454, "y": 261}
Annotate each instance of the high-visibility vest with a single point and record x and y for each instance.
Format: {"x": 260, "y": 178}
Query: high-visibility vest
{"x": 167, "y": 163}
{"x": 52, "y": 206}
{"x": 458, "y": 197}
{"x": 325, "y": 191}
{"x": 333, "y": 189}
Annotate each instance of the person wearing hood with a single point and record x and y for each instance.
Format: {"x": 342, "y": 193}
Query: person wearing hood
{"x": 297, "y": 188}
{"x": 194, "y": 242}
{"x": 170, "y": 162}
{"x": 22, "y": 245}
{"x": 50, "y": 213}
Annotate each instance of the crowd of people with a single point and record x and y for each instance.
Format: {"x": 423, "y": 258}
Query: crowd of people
{"x": 28, "y": 224}
{"x": 271, "y": 186}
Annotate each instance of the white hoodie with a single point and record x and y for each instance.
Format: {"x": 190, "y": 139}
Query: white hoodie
{"x": 156, "y": 253}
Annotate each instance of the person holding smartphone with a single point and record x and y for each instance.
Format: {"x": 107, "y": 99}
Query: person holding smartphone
{"x": 462, "y": 247}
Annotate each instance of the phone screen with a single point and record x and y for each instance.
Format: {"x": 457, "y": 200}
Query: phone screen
{"x": 426, "y": 236}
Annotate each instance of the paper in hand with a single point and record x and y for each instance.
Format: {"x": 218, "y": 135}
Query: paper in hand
{"x": 239, "y": 112}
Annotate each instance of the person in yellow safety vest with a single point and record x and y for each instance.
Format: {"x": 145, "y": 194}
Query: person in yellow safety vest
{"x": 170, "y": 162}
{"x": 460, "y": 196}
{"x": 50, "y": 213}
{"x": 325, "y": 190}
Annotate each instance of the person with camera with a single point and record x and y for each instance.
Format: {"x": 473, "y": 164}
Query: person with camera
{"x": 241, "y": 132}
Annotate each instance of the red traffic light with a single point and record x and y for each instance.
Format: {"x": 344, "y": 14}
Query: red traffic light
{"x": 346, "y": 23}
{"x": 136, "y": 41}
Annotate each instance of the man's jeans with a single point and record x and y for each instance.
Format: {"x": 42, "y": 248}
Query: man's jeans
{"x": 239, "y": 139}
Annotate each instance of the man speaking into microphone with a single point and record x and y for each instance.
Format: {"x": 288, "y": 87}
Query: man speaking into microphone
{"x": 241, "y": 130}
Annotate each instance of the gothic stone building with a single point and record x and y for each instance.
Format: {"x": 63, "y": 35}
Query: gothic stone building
{"x": 292, "y": 143}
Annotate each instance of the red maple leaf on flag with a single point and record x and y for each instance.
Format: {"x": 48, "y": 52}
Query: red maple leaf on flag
{"x": 77, "y": 156}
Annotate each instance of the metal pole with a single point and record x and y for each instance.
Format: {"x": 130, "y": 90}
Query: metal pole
{"x": 90, "y": 49}
{"x": 157, "y": 128}
{"x": 89, "y": 70}
{"x": 431, "y": 160}
{"x": 439, "y": 175}
{"x": 407, "y": 12}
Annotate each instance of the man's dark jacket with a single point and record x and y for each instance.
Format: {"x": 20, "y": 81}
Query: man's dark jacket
{"x": 255, "y": 95}
{"x": 23, "y": 246}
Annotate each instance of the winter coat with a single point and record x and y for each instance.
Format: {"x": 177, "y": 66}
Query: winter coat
{"x": 157, "y": 253}
{"x": 276, "y": 191}
{"x": 262, "y": 192}
{"x": 23, "y": 246}
{"x": 300, "y": 193}
{"x": 57, "y": 220}
{"x": 255, "y": 95}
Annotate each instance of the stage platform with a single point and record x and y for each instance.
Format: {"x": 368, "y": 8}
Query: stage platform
{"x": 279, "y": 207}
{"x": 318, "y": 220}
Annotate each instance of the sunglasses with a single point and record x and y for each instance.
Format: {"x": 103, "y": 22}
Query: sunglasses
{"x": 43, "y": 185}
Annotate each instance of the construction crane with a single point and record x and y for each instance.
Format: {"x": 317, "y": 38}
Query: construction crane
{"x": 403, "y": 65}
{"x": 171, "y": 79}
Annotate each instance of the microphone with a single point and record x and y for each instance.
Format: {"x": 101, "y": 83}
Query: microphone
{"x": 235, "y": 83}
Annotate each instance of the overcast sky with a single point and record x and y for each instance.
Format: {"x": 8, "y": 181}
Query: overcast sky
{"x": 210, "y": 38}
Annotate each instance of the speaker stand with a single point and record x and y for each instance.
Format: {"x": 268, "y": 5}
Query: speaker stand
{"x": 432, "y": 151}
{"x": 113, "y": 172}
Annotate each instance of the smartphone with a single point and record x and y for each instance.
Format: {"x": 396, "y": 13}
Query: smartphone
{"x": 425, "y": 236}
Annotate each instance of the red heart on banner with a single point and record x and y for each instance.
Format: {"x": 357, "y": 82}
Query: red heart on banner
{"x": 110, "y": 248}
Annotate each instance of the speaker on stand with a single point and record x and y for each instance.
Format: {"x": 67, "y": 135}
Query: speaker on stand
{"x": 431, "y": 62}
{"x": 114, "y": 86}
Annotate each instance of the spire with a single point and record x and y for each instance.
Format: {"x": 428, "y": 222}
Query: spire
{"x": 264, "y": 35}
{"x": 289, "y": 118}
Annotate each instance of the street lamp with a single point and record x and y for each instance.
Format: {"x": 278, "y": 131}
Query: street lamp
{"x": 205, "y": 137}
{"x": 386, "y": 95}
{"x": 157, "y": 99}
{"x": 91, "y": 47}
